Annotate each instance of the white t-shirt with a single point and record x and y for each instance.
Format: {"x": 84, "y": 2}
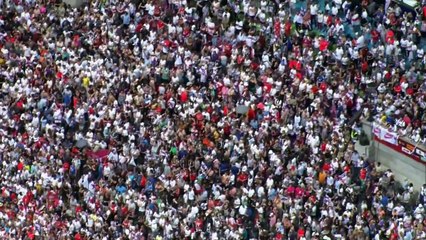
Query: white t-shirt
{"x": 320, "y": 18}
{"x": 334, "y": 10}
{"x": 339, "y": 53}
{"x": 420, "y": 53}
{"x": 314, "y": 9}
{"x": 389, "y": 49}
{"x": 360, "y": 41}
{"x": 338, "y": 2}
{"x": 403, "y": 43}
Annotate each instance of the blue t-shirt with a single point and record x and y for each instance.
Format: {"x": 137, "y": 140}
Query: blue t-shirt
{"x": 121, "y": 189}
{"x": 126, "y": 19}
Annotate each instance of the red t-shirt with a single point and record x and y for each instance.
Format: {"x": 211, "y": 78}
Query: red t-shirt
{"x": 199, "y": 224}
{"x": 300, "y": 233}
{"x": 20, "y": 166}
{"x": 287, "y": 28}
{"x": 242, "y": 177}
{"x": 277, "y": 29}
{"x": 251, "y": 114}
{"x": 363, "y": 174}
{"x": 77, "y": 236}
{"x": 66, "y": 166}
{"x": 326, "y": 167}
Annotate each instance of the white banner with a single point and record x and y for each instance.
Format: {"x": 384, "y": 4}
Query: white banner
{"x": 385, "y": 135}
{"x": 388, "y": 136}
{"x": 376, "y": 130}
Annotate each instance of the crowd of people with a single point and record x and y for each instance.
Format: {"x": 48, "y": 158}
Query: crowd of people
{"x": 223, "y": 119}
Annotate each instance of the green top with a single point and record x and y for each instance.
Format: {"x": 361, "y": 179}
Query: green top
{"x": 173, "y": 150}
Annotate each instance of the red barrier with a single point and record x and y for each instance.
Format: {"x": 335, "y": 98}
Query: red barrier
{"x": 406, "y": 148}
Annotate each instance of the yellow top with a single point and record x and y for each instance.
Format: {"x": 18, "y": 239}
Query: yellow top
{"x": 322, "y": 176}
{"x": 383, "y": 118}
{"x": 86, "y": 82}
